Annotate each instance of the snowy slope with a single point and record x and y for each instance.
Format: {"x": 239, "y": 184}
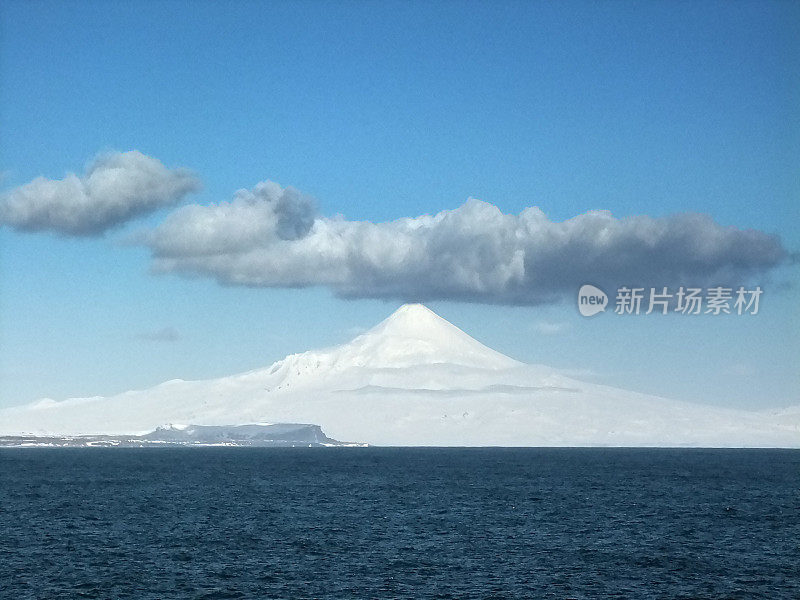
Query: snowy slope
{"x": 416, "y": 379}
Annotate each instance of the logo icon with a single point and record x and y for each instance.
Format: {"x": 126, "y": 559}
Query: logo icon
{"x": 591, "y": 300}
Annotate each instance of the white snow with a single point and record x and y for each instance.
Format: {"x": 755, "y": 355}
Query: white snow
{"x": 416, "y": 379}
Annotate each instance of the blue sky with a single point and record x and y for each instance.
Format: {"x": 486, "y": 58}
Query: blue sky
{"x": 387, "y": 110}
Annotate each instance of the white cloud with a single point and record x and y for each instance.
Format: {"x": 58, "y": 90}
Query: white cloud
{"x": 116, "y": 188}
{"x": 270, "y": 237}
{"x": 549, "y": 328}
{"x": 741, "y": 370}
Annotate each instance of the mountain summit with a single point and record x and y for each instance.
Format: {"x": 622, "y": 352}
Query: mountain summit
{"x": 415, "y": 335}
{"x": 415, "y": 379}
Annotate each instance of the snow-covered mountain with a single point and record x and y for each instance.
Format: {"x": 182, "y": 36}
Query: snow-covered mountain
{"x": 415, "y": 379}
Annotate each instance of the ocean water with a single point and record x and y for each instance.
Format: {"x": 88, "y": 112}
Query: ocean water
{"x": 399, "y": 523}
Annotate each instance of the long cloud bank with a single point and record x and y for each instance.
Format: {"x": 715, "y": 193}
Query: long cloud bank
{"x": 272, "y": 237}
{"x": 116, "y": 188}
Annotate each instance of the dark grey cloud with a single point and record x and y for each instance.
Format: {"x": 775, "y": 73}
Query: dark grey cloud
{"x": 270, "y": 237}
{"x": 166, "y": 334}
{"x": 116, "y": 188}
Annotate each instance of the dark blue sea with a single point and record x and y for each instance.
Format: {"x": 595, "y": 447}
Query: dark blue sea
{"x": 399, "y": 523}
